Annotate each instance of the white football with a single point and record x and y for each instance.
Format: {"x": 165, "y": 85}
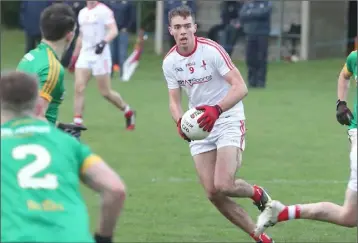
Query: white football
{"x": 190, "y": 126}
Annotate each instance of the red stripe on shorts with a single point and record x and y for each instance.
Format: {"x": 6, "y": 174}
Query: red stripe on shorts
{"x": 242, "y": 129}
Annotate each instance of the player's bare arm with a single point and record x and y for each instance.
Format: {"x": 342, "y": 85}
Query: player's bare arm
{"x": 175, "y": 104}
{"x": 101, "y": 178}
{"x": 76, "y": 53}
{"x": 78, "y": 45}
{"x": 41, "y": 108}
{"x": 237, "y": 92}
{"x": 343, "y": 83}
{"x": 343, "y": 114}
{"x": 112, "y": 32}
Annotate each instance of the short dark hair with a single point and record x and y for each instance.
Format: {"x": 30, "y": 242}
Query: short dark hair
{"x": 18, "y": 91}
{"x": 182, "y": 11}
{"x": 56, "y": 21}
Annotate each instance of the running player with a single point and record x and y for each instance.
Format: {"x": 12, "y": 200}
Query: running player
{"x": 58, "y": 24}
{"x": 213, "y": 84}
{"x": 92, "y": 57}
{"x": 345, "y": 215}
{"x": 41, "y": 169}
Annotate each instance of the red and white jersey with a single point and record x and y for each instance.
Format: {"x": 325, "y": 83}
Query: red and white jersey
{"x": 92, "y": 23}
{"x": 201, "y": 74}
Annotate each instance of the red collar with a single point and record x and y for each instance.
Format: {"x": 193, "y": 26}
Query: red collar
{"x": 192, "y": 52}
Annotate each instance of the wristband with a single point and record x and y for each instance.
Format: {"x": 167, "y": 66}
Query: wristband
{"x": 219, "y": 109}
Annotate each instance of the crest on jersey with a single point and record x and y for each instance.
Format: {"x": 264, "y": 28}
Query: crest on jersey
{"x": 203, "y": 64}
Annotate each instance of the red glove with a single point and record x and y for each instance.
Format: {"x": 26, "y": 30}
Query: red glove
{"x": 208, "y": 119}
{"x": 71, "y": 66}
{"x": 181, "y": 132}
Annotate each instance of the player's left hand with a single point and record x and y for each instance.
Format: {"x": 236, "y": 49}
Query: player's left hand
{"x": 343, "y": 114}
{"x": 100, "y": 47}
{"x": 72, "y": 129}
{"x": 208, "y": 119}
{"x": 102, "y": 239}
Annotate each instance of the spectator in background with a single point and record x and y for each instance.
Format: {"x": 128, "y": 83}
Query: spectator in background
{"x": 30, "y": 12}
{"x": 76, "y": 6}
{"x": 169, "y": 5}
{"x": 231, "y": 24}
{"x": 255, "y": 16}
{"x": 125, "y": 15}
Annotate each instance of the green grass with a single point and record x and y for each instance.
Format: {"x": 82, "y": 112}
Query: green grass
{"x": 295, "y": 148}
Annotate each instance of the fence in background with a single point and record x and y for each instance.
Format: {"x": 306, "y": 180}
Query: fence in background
{"x": 295, "y": 28}
{"x": 283, "y": 43}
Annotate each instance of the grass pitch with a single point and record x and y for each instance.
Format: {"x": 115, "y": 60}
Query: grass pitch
{"x": 295, "y": 149}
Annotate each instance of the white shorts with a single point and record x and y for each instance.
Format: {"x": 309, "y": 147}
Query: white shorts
{"x": 99, "y": 64}
{"x": 227, "y": 131}
{"x": 352, "y": 184}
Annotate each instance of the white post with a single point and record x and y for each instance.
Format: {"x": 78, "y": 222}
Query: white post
{"x": 305, "y": 30}
{"x": 279, "y": 41}
{"x": 159, "y": 27}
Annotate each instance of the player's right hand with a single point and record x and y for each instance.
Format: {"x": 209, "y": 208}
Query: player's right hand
{"x": 100, "y": 47}
{"x": 102, "y": 239}
{"x": 71, "y": 66}
{"x": 343, "y": 114}
{"x": 72, "y": 129}
{"x": 181, "y": 132}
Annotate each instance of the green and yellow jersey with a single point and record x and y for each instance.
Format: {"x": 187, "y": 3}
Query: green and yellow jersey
{"x": 40, "y": 183}
{"x": 350, "y": 69}
{"x": 44, "y": 63}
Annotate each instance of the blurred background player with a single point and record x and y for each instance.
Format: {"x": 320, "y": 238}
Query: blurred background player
{"x": 345, "y": 215}
{"x": 57, "y": 24}
{"x": 214, "y": 85}
{"x": 125, "y": 15}
{"x": 30, "y": 12}
{"x": 41, "y": 169}
{"x": 92, "y": 56}
{"x": 255, "y": 17}
{"x": 76, "y": 7}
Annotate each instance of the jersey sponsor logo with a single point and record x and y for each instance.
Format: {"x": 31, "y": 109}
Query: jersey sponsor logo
{"x": 193, "y": 81}
{"x": 29, "y": 57}
{"x": 7, "y": 132}
{"x": 178, "y": 69}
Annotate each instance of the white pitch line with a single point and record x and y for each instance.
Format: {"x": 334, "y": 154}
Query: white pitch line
{"x": 273, "y": 181}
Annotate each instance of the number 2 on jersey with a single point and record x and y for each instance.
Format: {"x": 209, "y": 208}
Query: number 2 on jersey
{"x": 26, "y": 175}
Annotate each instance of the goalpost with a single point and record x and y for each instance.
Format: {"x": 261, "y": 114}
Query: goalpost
{"x": 305, "y": 29}
{"x": 159, "y": 28}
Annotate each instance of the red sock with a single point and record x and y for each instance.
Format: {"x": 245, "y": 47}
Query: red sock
{"x": 262, "y": 238}
{"x": 128, "y": 114}
{"x": 290, "y": 212}
{"x": 257, "y": 194}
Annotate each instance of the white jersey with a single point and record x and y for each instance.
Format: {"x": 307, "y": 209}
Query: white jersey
{"x": 201, "y": 73}
{"x": 92, "y": 23}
